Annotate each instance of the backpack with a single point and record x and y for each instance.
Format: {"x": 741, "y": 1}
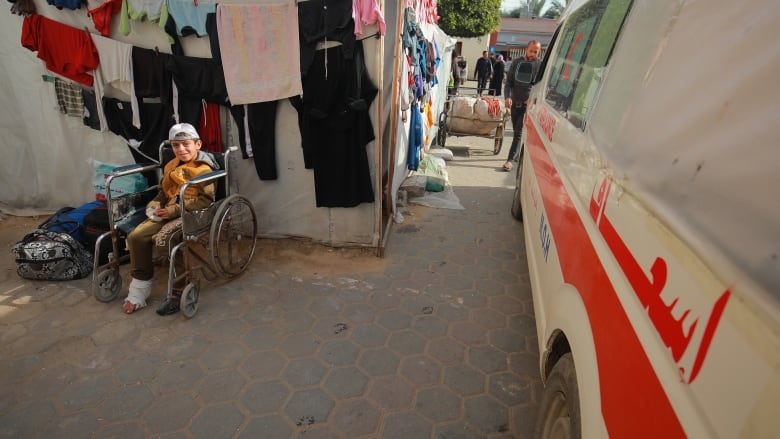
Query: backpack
{"x": 51, "y": 255}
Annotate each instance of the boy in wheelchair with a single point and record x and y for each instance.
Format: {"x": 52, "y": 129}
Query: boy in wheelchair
{"x": 189, "y": 162}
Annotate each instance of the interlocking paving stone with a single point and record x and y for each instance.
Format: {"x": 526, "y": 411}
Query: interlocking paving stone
{"x": 406, "y": 343}
{"x": 265, "y": 396}
{"x": 420, "y": 369}
{"x": 215, "y": 421}
{"x": 264, "y": 364}
{"x": 307, "y": 407}
{"x": 299, "y": 344}
{"x": 125, "y": 430}
{"x": 391, "y": 392}
{"x": 267, "y": 427}
{"x": 83, "y": 424}
{"x": 185, "y": 347}
{"x": 346, "y": 382}
{"x": 25, "y": 419}
{"x": 227, "y": 329}
{"x": 446, "y": 350}
{"x": 405, "y": 425}
{"x": 86, "y": 391}
{"x": 220, "y": 386}
{"x": 378, "y": 361}
{"x": 170, "y": 413}
{"x": 486, "y": 414}
{"x": 141, "y": 366}
{"x": 464, "y": 379}
{"x": 509, "y": 388}
{"x": 356, "y": 417}
{"x": 178, "y": 376}
{"x": 262, "y": 338}
{"x": 339, "y": 352}
{"x": 507, "y": 340}
{"x": 429, "y": 325}
{"x": 304, "y": 372}
{"x": 128, "y": 403}
{"x": 438, "y": 404}
{"x": 394, "y": 319}
{"x": 369, "y": 335}
{"x": 488, "y": 359}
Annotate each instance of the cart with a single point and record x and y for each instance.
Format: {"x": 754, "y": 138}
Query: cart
{"x": 471, "y": 116}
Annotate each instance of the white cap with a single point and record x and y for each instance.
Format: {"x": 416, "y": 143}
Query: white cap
{"x": 183, "y": 131}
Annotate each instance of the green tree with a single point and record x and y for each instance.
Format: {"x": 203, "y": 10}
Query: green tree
{"x": 469, "y": 18}
{"x": 555, "y": 9}
{"x": 536, "y": 8}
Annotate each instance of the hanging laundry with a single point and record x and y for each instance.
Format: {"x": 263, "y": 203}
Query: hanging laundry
{"x": 337, "y": 127}
{"x": 65, "y": 50}
{"x": 367, "y": 12}
{"x": 190, "y": 17}
{"x": 321, "y": 20}
{"x": 115, "y": 71}
{"x": 69, "y": 98}
{"x": 102, "y": 11}
{"x": 154, "y": 11}
{"x": 415, "y": 138}
{"x": 259, "y": 47}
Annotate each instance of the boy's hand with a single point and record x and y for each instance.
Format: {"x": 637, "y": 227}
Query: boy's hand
{"x": 162, "y": 213}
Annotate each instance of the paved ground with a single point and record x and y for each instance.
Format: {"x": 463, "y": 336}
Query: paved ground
{"x": 435, "y": 340}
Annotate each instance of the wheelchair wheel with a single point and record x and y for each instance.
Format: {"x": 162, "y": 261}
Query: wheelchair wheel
{"x": 188, "y": 303}
{"x": 233, "y": 236}
{"x": 107, "y": 285}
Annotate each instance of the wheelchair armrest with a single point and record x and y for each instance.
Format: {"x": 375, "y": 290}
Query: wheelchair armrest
{"x": 204, "y": 178}
{"x": 121, "y": 171}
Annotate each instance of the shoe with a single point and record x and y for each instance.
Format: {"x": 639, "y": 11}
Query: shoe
{"x": 507, "y": 167}
{"x": 171, "y": 304}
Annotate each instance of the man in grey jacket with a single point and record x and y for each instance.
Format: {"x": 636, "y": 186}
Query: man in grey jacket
{"x": 522, "y": 73}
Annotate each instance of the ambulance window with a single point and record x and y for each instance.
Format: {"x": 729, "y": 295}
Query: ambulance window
{"x": 585, "y": 46}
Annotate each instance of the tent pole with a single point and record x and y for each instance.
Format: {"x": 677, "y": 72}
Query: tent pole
{"x": 388, "y": 198}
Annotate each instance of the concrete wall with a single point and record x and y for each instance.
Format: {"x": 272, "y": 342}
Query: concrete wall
{"x": 472, "y": 49}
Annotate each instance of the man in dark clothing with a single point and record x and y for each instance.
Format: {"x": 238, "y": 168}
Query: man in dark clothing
{"x": 497, "y": 80}
{"x": 518, "y": 88}
{"x": 483, "y": 71}
{"x": 453, "y": 90}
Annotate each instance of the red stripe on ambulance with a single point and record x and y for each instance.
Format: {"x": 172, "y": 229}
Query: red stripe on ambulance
{"x": 633, "y": 402}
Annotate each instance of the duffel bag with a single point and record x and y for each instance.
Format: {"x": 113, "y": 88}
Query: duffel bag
{"x": 49, "y": 255}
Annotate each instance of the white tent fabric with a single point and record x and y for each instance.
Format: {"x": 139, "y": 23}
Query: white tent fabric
{"x": 48, "y": 158}
{"x": 437, "y": 96}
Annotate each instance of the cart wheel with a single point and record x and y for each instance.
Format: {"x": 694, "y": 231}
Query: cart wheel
{"x": 189, "y": 301}
{"x": 499, "y": 139}
{"x": 107, "y": 285}
{"x": 441, "y": 135}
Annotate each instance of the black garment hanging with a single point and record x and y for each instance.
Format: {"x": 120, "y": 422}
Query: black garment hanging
{"x": 337, "y": 127}
{"x": 319, "y": 20}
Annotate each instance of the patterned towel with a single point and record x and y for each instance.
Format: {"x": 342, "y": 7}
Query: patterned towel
{"x": 260, "y": 51}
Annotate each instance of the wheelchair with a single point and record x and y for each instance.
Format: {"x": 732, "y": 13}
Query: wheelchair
{"x": 215, "y": 242}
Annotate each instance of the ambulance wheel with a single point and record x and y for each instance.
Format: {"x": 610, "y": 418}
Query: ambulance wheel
{"x": 107, "y": 285}
{"x": 189, "y": 301}
{"x": 517, "y": 208}
{"x": 559, "y": 411}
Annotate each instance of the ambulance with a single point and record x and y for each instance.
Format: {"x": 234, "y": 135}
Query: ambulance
{"x": 649, "y": 193}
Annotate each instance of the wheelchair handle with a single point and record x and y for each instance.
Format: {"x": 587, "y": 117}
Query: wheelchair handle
{"x": 121, "y": 171}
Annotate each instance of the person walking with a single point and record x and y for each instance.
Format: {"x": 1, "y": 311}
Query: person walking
{"x": 483, "y": 71}
{"x": 516, "y": 92}
{"x": 497, "y": 80}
